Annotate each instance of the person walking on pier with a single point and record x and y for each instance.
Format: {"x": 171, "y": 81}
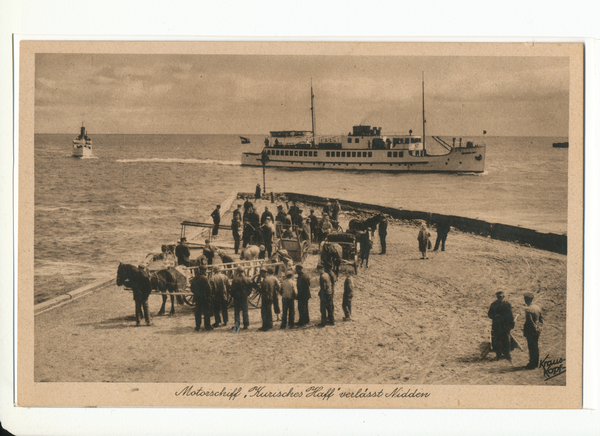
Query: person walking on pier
{"x": 220, "y": 292}
{"x": 326, "y": 296}
{"x": 257, "y": 192}
{"x": 503, "y": 322}
{"x": 267, "y": 237}
{"x": 532, "y": 328}
{"x": 442, "y": 228}
{"x": 182, "y": 252}
{"x": 382, "y": 229}
{"x": 237, "y": 213}
{"x": 347, "y": 299}
{"x": 288, "y": 294}
{"x": 313, "y": 221}
{"x": 200, "y": 287}
{"x": 216, "y": 216}
{"x": 303, "y": 288}
{"x": 424, "y": 242}
{"x": 241, "y": 287}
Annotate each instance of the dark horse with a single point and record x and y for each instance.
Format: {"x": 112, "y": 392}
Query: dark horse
{"x": 138, "y": 280}
{"x": 356, "y": 225}
{"x": 168, "y": 280}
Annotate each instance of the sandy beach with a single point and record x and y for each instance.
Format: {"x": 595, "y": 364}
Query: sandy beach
{"x": 416, "y": 322}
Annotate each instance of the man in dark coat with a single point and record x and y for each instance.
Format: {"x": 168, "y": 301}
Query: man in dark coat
{"x": 382, "y": 229}
{"x": 182, "y": 252}
{"x": 254, "y": 222}
{"x": 326, "y": 296}
{"x": 266, "y": 214}
{"x": 532, "y": 329}
{"x": 347, "y": 299}
{"x": 335, "y": 210}
{"x": 200, "y": 287}
{"x": 313, "y": 220}
{"x": 443, "y": 228}
{"x": 257, "y": 192}
{"x": 237, "y": 213}
{"x": 216, "y": 216}
{"x": 269, "y": 287}
{"x": 303, "y": 287}
{"x": 294, "y": 213}
{"x": 280, "y": 220}
{"x": 237, "y": 231}
{"x": 503, "y": 322}
{"x": 219, "y": 285}
{"x": 241, "y": 287}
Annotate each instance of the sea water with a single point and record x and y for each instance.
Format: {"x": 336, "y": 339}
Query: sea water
{"x": 133, "y": 194}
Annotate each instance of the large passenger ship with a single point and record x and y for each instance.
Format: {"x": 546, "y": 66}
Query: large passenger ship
{"x": 366, "y": 148}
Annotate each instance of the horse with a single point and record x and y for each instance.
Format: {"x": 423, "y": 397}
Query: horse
{"x": 168, "y": 280}
{"x": 360, "y": 225}
{"x": 138, "y": 280}
{"x": 331, "y": 256}
{"x": 251, "y": 252}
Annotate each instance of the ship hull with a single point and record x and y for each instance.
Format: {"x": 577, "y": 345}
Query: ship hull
{"x": 458, "y": 160}
{"x": 82, "y": 152}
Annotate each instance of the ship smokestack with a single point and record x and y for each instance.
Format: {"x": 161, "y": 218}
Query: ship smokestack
{"x": 82, "y": 131}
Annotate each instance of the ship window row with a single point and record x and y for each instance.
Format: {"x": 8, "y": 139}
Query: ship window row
{"x": 292, "y": 153}
{"x": 356, "y": 140}
{"x": 348, "y": 154}
{"x": 401, "y": 153}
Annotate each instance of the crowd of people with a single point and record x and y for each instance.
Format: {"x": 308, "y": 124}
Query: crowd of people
{"x": 294, "y": 288}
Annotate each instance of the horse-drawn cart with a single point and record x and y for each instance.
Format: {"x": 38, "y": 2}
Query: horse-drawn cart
{"x": 295, "y": 242}
{"x": 347, "y": 244}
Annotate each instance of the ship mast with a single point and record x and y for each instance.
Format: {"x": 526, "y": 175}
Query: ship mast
{"x": 312, "y": 112}
{"x": 423, "y": 92}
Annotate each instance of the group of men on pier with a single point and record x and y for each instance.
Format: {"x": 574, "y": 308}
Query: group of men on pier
{"x": 211, "y": 297}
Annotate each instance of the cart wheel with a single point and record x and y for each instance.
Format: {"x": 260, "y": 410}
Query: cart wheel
{"x": 356, "y": 264}
{"x": 339, "y": 229}
{"x": 189, "y": 300}
{"x": 255, "y": 299}
{"x": 304, "y": 251}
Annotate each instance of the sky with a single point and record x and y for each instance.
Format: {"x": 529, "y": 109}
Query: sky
{"x": 254, "y": 94}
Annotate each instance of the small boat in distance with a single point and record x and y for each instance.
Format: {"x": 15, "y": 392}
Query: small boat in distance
{"x": 244, "y": 140}
{"x": 560, "y": 145}
{"x": 365, "y": 148}
{"x": 82, "y": 145}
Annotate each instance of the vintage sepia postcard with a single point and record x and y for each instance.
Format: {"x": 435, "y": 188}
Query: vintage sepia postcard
{"x": 298, "y": 224}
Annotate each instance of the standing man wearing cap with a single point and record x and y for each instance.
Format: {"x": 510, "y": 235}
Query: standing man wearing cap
{"x": 288, "y": 295}
{"x": 534, "y": 322}
{"x": 182, "y": 252}
{"x": 236, "y": 230}
{"x": 241, "y": 287}
{"x": 216, "y": 216}
{"x": 266, "y": 214}
{"x": 200, "y": 287}
{"x": 220, "y": 291}
{"x": 326, "y": 296}
{"x": 502, "y": 323}
{"x": 268, "y": 292}
{"x": 347, "y": 298}
{"x": 279, "y": 220}
{"x": 303, "y": 288}
{"x": 237, "y": 213}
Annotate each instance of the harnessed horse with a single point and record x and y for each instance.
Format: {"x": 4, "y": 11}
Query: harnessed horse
{"x": 361, "y": 225}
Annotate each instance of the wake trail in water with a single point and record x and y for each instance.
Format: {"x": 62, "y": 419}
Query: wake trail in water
{"x": 184, "y": 161}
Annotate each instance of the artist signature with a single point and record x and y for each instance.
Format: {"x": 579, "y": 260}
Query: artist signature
{"x": 552, "y": 368}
